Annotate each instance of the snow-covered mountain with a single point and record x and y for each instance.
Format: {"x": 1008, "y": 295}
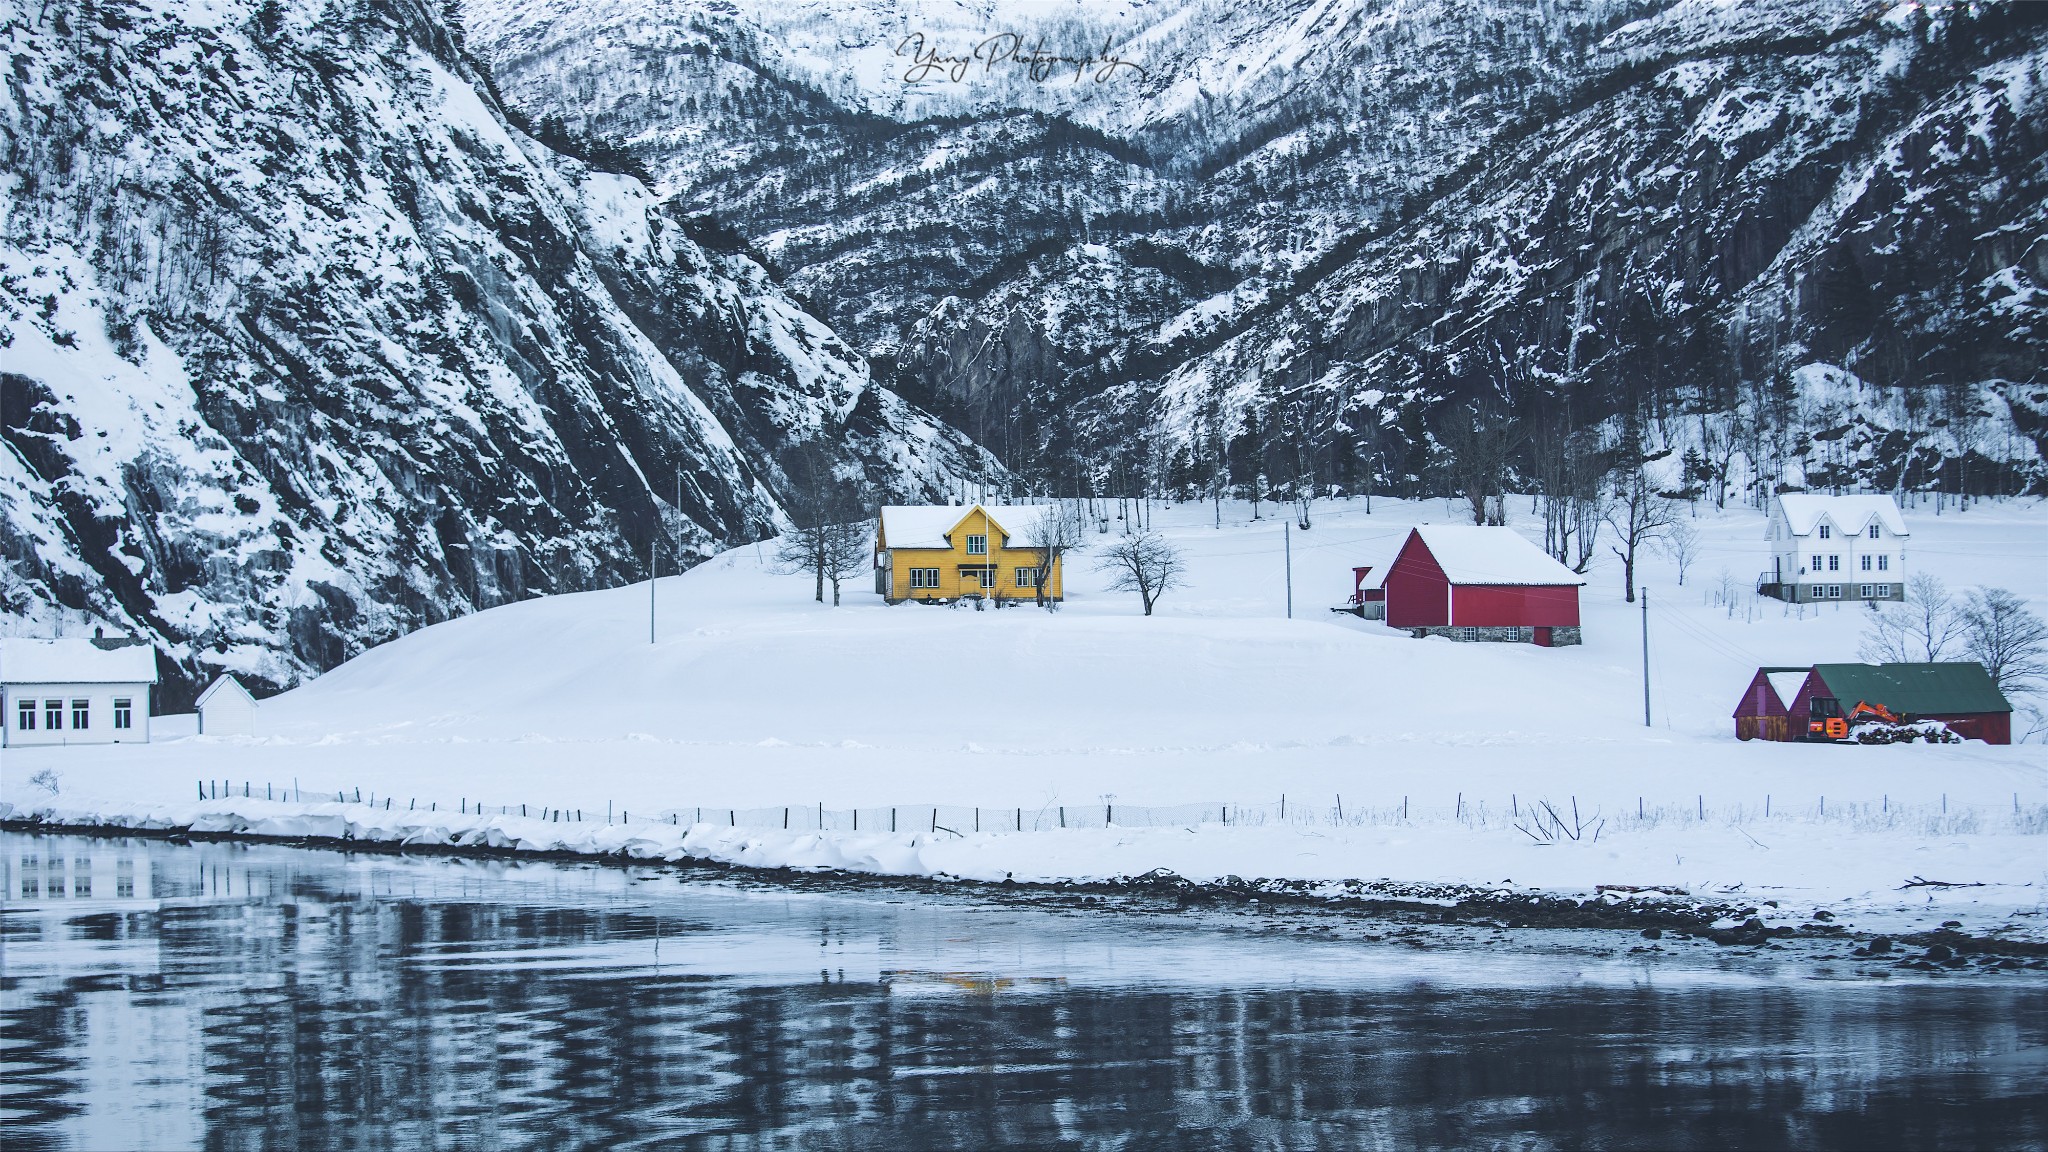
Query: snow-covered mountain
{"x": 305, "y": 343}
{"x": 1806, "y": 239}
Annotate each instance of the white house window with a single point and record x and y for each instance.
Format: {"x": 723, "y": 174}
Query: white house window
{"x": 1884, "y": 563}
{"x": 1884, "y": 590}
{"x": 81, "y": 714}
{"x": 1867, "y": 589}
{"x": 1874, "y": 534}
{"x": 1824, "y": 533}
{"x": 124, "y": 712}
{"x": 53, "y": 714}
{"x": 1815, "y": 565}
{"x": 1027, "y": 577}
{"x": 924, "y": 577}
{"x": 25, "y": 717}
{"x": 1834, "y": 591}
{"x": 1866, "y": 563}
{"x": 1834, "y": 563}
{"x": 977, "y": 545}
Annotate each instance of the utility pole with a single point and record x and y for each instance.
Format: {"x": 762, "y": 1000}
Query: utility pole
{"x": 1287, "y": 543}
{"x": 1646, "y": 657}
{"x": 651, "y": 541}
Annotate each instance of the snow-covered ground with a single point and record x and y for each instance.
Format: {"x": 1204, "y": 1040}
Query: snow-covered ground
{"x": 756, "y": 698}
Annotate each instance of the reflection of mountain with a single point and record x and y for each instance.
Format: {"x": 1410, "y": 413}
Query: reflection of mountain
{"x": 1819, "y": 226}
{"x": 306, "y": 345}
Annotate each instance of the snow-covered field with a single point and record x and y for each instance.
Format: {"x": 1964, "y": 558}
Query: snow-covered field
{"x": 756, "y": 698}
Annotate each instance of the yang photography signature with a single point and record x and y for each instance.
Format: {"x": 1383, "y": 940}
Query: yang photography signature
{"x": 931, "y": 65}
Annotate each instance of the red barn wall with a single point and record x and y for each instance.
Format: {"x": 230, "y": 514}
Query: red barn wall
{"x": 1546, "y": 605}
{"x": 1990, "y": 727}
{"x": 1418, "y": 592}
{"x": 1760, "y": 699}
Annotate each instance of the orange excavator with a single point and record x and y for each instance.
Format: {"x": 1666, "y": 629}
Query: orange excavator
{"x": 1827, "y": 721}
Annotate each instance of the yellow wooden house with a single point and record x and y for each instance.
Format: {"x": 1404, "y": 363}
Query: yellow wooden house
{"x": 951, "y": 552}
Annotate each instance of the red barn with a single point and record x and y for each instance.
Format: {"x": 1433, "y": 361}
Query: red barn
{"x": 1765, "y": 711}
{"x": 1473, "y": 583}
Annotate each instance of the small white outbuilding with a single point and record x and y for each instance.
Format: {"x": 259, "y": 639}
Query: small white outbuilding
{"x": 227, "y": 709}
{"x": 75, "y": 691}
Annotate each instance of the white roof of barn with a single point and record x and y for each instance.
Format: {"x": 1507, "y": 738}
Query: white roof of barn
{"x": 224, "y": 684}
{"x": 1470, "y": 554}
{"x": 28, "y": 661}
{"x": 1849, "y": 513}
{"x": 926, "y": 525}
{"x": 1786, "y": 685}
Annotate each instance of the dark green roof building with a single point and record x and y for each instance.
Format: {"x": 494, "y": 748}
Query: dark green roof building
{"x": 1960, "y": 694}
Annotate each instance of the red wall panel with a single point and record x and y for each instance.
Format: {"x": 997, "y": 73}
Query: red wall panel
{"x": 1418, "y": 594}
{"x": 1511, "y": 604}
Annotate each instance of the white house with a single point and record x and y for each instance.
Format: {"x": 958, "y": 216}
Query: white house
{"x": 75, "y": 691}
{"x": 1835, "y": 548}
{"x": 227, "y": 709}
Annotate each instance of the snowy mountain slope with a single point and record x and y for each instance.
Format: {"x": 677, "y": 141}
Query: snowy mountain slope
{"x": 1690, "y": 208}
{"x": 303, "y": 345}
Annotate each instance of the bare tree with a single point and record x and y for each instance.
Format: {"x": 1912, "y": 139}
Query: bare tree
{"x": 1143, "y": 563}
{"x": 1480, "y": 444}
{"x": 1058, "y": 529}
{"x": 1682, "y": 543}
{"x": 830, "y": 535}
{"x": 1922, "y": 628}
{"x": 2009, "y": 641}
{"x": 1638, "y": 516}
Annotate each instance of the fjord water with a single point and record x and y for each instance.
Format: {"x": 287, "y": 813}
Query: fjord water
{"x": 222, "y": 996}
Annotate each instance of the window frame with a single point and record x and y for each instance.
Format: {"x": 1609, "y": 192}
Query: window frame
{"x": 1825, "y": 532}
{"x": 973, "y": 540}
{"x": 124, "y": 713}
{"x": 1027, "y": 576}
{"x": 81, "y": 714}
{"x": 924, "y": 578}
{"x": 25, "y": 714}
{"x": 1884, "y": 562}
{"x": 1866, "y": 562}
{"x": 1835, "y": 562}
{"x": 1876, "y": 532}
{"x": 53, "y": 715}
{"x": 1884, "y": 591}
{"x": 1869, "y": 590}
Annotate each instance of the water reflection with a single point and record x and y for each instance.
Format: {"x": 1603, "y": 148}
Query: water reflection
{"x": 249, "y": 998}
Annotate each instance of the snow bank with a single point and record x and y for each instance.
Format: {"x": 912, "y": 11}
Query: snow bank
{"x": 1894, "y": 871}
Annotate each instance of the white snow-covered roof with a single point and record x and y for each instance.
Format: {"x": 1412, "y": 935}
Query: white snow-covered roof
{"x": 224, "y": 684}
{"x": 1470, "y": 554}
{"x": 1786, "y": 685}
{"x": 926, "y": 525}
{"x": 1849, "y": 513}
{"x": 29, "y": 661}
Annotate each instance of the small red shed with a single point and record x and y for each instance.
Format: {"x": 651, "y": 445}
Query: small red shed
{"x": 1765, "y": 712}
{"x": 1481, "y": 583}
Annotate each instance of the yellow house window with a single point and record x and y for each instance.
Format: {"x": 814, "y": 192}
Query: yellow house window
{"x": 1027, "y": 577}
{"x": 924, "y": 577}
{"x": 977, "y": 545}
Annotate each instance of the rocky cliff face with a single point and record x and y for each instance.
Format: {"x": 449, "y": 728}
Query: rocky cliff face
{"x": 1802, "y": 240}
{"x": 305, "y": 343}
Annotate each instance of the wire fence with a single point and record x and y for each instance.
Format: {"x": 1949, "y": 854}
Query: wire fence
{"x": 1544, "y": 818}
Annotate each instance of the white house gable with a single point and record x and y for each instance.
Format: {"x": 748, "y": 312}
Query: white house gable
{"x": 1835, "y": 548}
